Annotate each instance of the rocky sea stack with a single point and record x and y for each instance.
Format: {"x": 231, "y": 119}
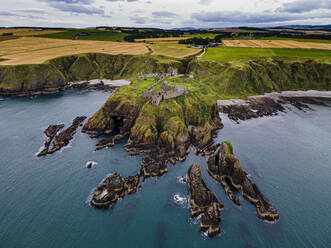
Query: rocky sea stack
{"x": 204, "y": 202}
{"x": 224, "y": 166}
{"x": 62, "y": 139}
{"x": 112, "y": 188}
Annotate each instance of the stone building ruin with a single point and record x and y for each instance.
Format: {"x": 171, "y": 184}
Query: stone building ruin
{"x": 166, "y": 91}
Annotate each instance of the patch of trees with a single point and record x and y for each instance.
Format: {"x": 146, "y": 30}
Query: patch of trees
{"x": 197, "y": 41}
{"x": 151, "y": 33}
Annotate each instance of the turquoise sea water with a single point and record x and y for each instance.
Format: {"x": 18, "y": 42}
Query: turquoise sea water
{"x": 44, "y": 201}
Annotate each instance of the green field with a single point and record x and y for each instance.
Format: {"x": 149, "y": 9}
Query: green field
{"x": 232, "y": 53}
{"x": 92, "y": 35}
{"x": 211, "y": 36}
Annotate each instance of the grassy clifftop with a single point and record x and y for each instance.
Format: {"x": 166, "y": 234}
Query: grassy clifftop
{"x": 240, "y": 78}
{"x": 57, "y": 72}
{"x": 193, "y": 118}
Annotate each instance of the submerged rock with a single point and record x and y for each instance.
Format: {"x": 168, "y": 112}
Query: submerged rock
{"x": 225, "y": 165}
{"x": 204, "y": 202}
{"x": 91, "y": 164}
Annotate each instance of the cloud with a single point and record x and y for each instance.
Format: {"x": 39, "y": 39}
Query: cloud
{"x": 7, "y": 13}
{"x": 76, "y": 8}
{"x": 266, "y": 17}
{"x": 301, "y": 6}
{"x": 163, "y": 14}
{"x": 70, "y": 1}
{"x": 205, "y": 2}
{"x": 122, "y": 0}
{"x": 139, "y": 20}
{"x": 17, "y": 14}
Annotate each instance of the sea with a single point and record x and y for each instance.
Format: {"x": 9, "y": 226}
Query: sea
{"x": 44, "y": 202}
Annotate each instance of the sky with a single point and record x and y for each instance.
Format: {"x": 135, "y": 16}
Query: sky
{"x": 164, "y": 13}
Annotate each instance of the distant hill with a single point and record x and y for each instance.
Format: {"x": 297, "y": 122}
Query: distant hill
{"x": 306, "y": 26}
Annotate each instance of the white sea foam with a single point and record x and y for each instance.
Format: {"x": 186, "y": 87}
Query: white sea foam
{"x": 180, "y": 200}
{"x": 196, "y": 220}
{"x": 91, "y": 163}
{"x": 181, "y": 179}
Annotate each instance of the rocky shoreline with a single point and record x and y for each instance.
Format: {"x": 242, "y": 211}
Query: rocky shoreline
{"x": 271, "y": 104}
{"x": 95, "y": 84}
{"x": 223, "y": 166}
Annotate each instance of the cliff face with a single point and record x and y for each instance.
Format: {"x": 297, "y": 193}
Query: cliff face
{"x": 239, "y": 78}
{"x": 177, "y": 123}
{"x": 56, "y": 73}
{"x": 173, "y": 125}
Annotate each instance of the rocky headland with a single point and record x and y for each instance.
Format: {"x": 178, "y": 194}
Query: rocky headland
{"x": 204, "y": 202}
{"x": 165, "y": 132}
{"x": 225, "y": 167}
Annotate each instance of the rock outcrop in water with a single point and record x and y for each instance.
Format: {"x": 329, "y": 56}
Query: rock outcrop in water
{"x": 112, "y": 188}
{"x": 50, "y": 132}
{"x": 223, "y": 166}
{"x": 62, "y": 139}
{"x": 268, "y": 105}
{"x": 204, "y": 202}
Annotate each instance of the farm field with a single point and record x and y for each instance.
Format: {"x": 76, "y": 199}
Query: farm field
{"x": 174, "y": 40}
{"x": 162, "y": 40}
{"x": 276, "y": 44}
{"x": 33, "y": 50}
{"x": 211, "y": 36}
{"x": 27, "y": 31}
{"x": 100, "y": 35}
{"x": 173, "y": 50}
{"x": 303, "y": 31}
{"x": 232, "y": 53}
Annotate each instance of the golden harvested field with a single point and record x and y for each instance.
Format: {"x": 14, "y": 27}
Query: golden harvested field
{"x": 33, "y": 50}
{"x": 27, "y": 32}
{"x": 276, "y": 44}
{"x": 173, "y": 50}
{"x": 302, "y": 31}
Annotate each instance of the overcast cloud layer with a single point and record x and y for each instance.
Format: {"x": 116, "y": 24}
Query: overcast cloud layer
{"x": 164, "y": 13}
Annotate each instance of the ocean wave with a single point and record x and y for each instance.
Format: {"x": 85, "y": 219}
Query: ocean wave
{"x": 91, "y": 164}
{"x": 181, "y": 179}
{"x": 180, "y": 200}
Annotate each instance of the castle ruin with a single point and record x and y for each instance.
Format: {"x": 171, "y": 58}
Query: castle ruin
{"x": 165, "y": 92}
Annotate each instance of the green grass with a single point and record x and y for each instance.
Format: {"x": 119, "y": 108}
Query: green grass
{"x": 232, "y": 53}
{"x": 93, "y": 35}
{"x": 145, "y": 83}
{"x": 211, "y": 36}
{"x": 228, "y": 143}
